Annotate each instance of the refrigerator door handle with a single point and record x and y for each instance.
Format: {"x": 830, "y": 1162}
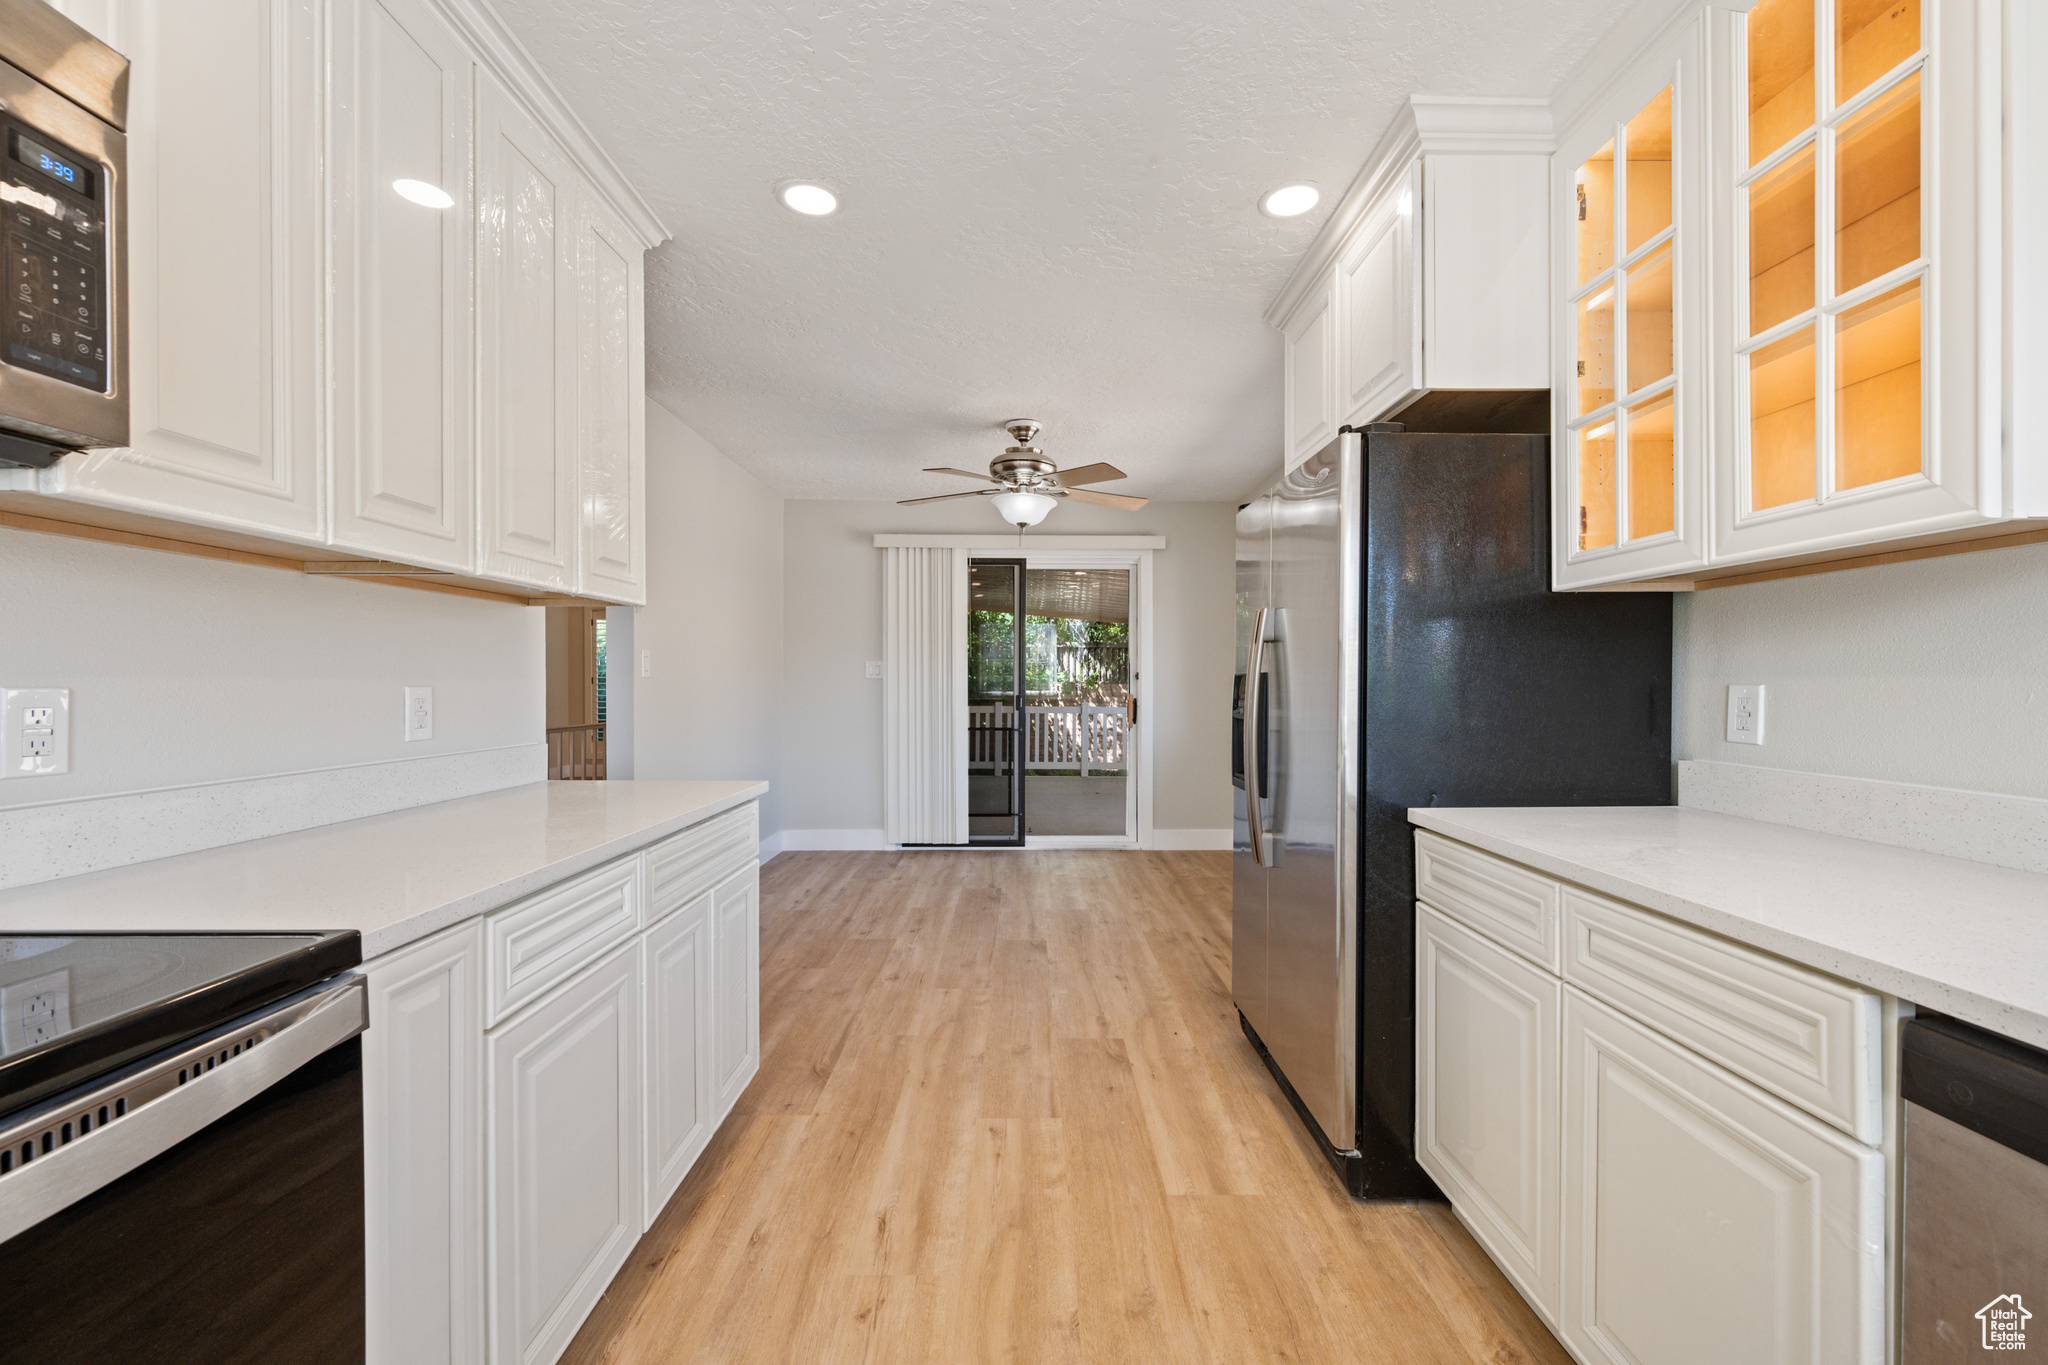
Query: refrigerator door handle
{"x": 1254, "y": 816}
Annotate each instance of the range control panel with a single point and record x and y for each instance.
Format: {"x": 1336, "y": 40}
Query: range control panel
{"x": 56, "y": 229}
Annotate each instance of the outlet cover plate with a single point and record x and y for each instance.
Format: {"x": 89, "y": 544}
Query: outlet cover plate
{"x": 1745, "y": 713}
{"x": 37, "y": 731}
{"x": 419, "y": 713}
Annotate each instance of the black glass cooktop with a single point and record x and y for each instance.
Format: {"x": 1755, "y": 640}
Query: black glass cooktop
{"x": 76, "y": 1006}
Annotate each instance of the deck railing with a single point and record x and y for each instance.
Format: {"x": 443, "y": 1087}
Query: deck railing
{"x": 1083, "y": 739}
{"x": 576, "y": 753}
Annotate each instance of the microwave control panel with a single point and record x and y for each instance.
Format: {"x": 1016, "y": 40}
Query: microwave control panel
{"x": 56, "y": 227}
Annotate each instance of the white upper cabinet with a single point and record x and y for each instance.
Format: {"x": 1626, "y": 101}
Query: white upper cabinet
{"x": 404, "y": 452}
{"x": 1310, "y": 376}
{"x": 385, "y": 297}
{"x": 1376, "y": 286}
{"x": 526, "y": 346}
{"x": 1852, "y": 312}
{"x": 1850, "y": 168}
{"x": 611, "y": 370}
{"x": 1431, "y": 274}
{"x": 1630, "y": 393}
{"x": 223, "y": 268}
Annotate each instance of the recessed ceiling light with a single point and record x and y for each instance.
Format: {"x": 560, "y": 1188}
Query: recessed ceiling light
{"x": 1290, "y": 201}
{"x": 420, "y": 192}
{"x": 806, "y": 197}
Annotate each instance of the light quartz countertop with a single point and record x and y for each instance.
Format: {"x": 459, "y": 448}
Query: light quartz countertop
{"x": 394, "y": 878}
{"x": 1968, "y": 939}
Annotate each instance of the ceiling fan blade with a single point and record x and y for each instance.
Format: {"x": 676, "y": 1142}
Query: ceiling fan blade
{"x": 1091, "y": 473}
{"x": 1129, "y": 504}
{"x": 963, "y": 474}
{"x": 948, "y": 497}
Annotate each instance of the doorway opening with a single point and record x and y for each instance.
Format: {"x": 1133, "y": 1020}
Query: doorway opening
{"x": 1050, "y": 705}
{"x": 576, "y": 693}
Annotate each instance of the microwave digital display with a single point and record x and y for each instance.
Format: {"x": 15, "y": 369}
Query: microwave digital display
{"x": 69, "y": 171}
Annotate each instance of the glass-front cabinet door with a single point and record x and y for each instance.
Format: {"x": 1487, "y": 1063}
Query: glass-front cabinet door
{"x": 1630, "y": 450}
{"x": 1848, "y": 171}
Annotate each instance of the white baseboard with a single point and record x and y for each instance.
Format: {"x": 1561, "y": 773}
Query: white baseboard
{"x": 832, "y": 841}
{"x": 2008, "y": 831}
{"x": 1202, "y": 840}
{"x": 872, "y": 841}
{"x": 64, "y": 838}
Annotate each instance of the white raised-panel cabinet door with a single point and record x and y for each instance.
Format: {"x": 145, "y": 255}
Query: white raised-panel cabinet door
{"x": 736, "y": 985}
{"x": 1486, "y": 1097}
{"x": 526, "y": 344}
{"x": 224, "y": 269}
{"x": 423, "y": 1155}
{"x": 564, "y": 1145}
{"x": 612, "y": 406}
{"x": 1632, "y": 331}
{"x": 1311, "y": 372}
{"x": 1382, "y": 344}
{"x": 677, "y": 970}
{"x": 404, "y": 456}
{"x": 1706, "y": 1222}
{"x": 1860, "y": 288}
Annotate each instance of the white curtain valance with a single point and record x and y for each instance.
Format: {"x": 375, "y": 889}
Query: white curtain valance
{"x": 924, "y": 695}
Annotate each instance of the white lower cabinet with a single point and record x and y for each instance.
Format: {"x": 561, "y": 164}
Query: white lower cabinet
{"x": 677, "y": 971}
{"x": 1597, "y": 1123}
{"x": 538, "y": 1083}
{"x": 1486, "y": 1121}
{"x": 564, "y": 1157}
{"x": 423, "y": 1153}
{"x": 736, "y": 939}
{"x": 1706, "y": 1222}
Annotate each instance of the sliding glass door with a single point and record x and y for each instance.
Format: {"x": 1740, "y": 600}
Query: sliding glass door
{"x": 1078, "y": 707}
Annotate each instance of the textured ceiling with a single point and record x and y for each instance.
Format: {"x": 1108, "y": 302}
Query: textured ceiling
{"x": 1048, "y": 211}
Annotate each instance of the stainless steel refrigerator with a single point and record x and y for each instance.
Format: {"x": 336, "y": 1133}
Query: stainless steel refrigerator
{"x": 1398, "y": 645}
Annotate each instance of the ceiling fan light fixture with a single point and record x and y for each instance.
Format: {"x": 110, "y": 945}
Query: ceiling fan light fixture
{"x": 1290, "y": 201}
{"x": 1023, "y": 508}
{"x": 807, "y": 197}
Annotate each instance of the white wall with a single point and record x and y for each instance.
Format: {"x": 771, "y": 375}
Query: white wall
{"x": 832, "y": 740}
{"x": 186, "y": 672}
{"x": 713, "y": 705}
{"x": 1933, "y": 672}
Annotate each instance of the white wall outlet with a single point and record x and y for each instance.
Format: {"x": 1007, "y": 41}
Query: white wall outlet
{"x": 874, "y": 668}
{"x": 35, "y": 1011}
{"x": 419, "y": 713}
{"x": 37, "y": 722}
{"x": 646, "y": 663}
{"x": 1745, "y": 713}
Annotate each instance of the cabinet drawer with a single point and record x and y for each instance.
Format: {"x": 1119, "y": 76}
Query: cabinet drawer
{"x": 685, "y": 865}
{"x": 1511, "y": 905}
{"x": 1807, "y": 1038}
{"x": 546, "y": 939}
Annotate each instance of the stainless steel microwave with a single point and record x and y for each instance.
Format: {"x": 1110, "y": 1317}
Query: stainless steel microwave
{"x": 63, "y": 192}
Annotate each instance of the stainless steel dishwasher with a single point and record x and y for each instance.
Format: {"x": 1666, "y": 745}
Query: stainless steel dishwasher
{"x": 1976, "y": 1224}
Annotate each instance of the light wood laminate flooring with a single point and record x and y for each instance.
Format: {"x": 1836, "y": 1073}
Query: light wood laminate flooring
{"x": 1005, "y": 1113}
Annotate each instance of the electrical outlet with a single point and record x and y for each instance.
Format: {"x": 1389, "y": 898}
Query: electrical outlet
{"x": 1745, "y": 713}
{"x": 35, "y": 1011}
{"x": 874, "y": 668}
{"x": 37, "y": 725}
{"x": 419, "y": 713}
{"x": 646, "y": 663}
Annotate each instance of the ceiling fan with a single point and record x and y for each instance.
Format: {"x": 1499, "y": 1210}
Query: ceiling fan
{"x": 1027, "y": 485}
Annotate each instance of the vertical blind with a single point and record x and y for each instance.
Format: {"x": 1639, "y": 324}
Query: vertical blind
{"x": 924, "y": 695}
